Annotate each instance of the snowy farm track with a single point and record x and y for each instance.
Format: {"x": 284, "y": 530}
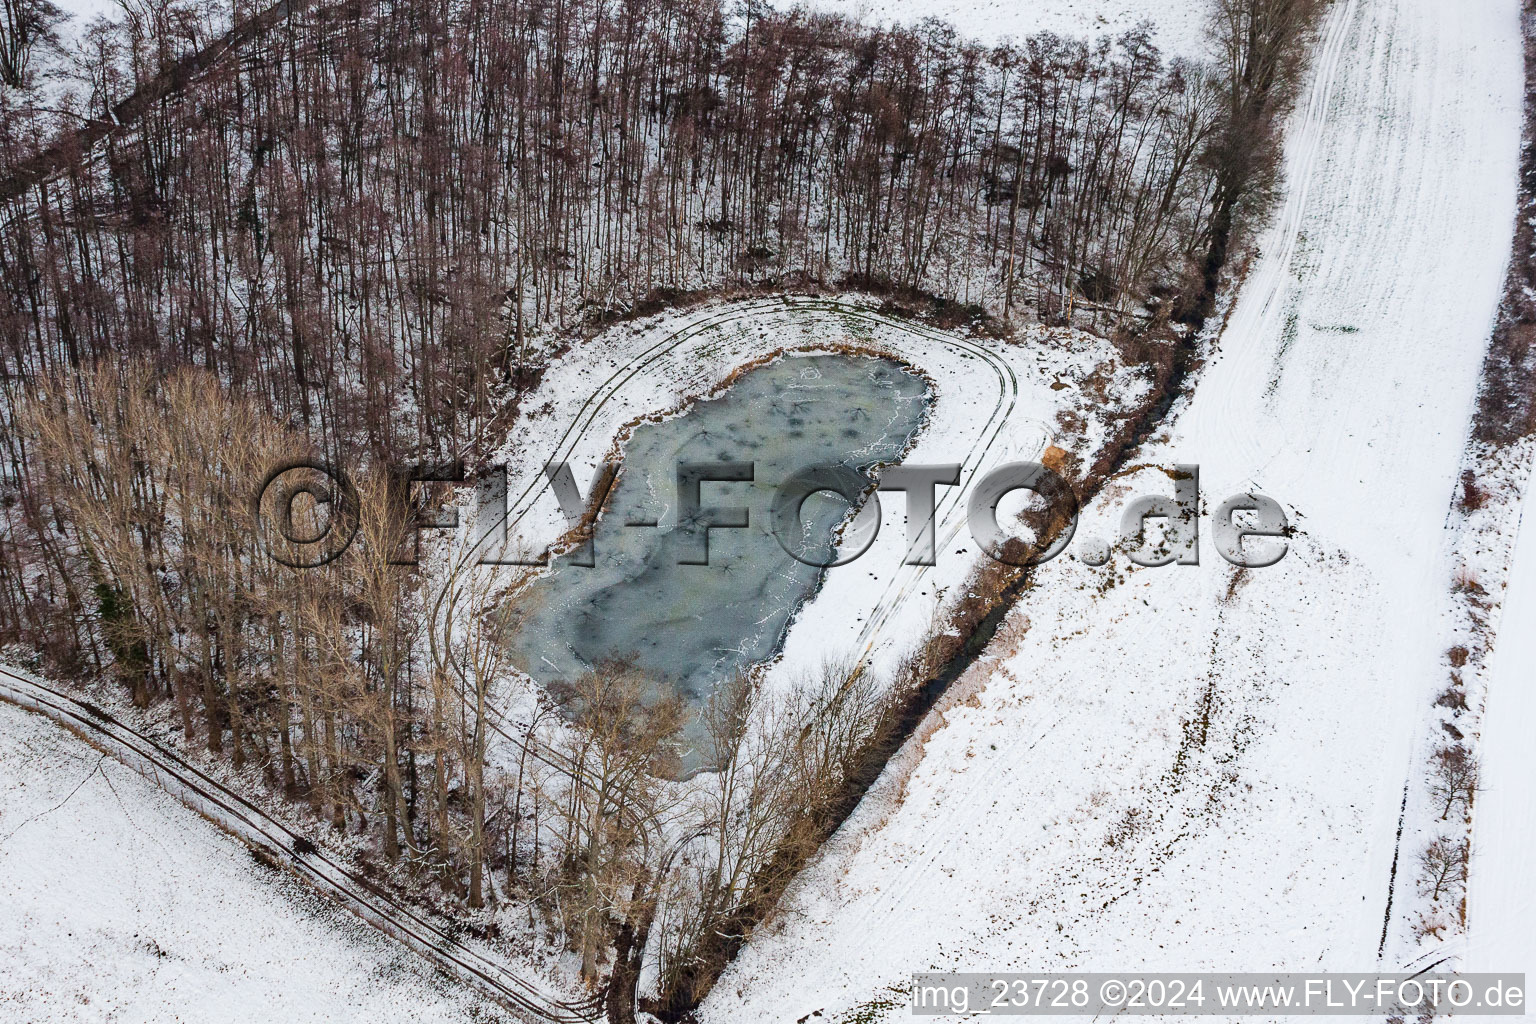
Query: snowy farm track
{"x": 283, "y": 845}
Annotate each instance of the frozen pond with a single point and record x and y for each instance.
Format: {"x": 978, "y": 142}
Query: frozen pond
{"x": 687, "y": 626}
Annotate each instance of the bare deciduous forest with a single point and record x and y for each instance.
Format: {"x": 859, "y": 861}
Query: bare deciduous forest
{"x": 361, "y": 217}
{"x": 356, "y": 230}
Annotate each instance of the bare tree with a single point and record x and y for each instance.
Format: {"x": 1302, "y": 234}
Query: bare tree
{"x": 1454, "y": 778}
{"x": 1443, "y": 867}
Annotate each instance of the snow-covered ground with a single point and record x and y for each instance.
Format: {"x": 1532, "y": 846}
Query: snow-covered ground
{"x": 79, "y": 16}
{"x": 1178, "y": 25}
{"x": 79, "y": 13}
{"x": 1188, "y": 767}
{"x": 1501, "y": 898}
{"x": 119, "y": 904}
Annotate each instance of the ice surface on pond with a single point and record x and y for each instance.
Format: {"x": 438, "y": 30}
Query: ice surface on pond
{"x": 688, "y": 626}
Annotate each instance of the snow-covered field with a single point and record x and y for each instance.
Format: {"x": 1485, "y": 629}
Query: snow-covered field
{"x": 119, "y": 904}
{"x": 1187, "y": 767}
{"x": 1178, "y": 25}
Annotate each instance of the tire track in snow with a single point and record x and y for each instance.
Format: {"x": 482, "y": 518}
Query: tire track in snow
{"x": 295, "y": 852}
{"x": 1272, "y": 278}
